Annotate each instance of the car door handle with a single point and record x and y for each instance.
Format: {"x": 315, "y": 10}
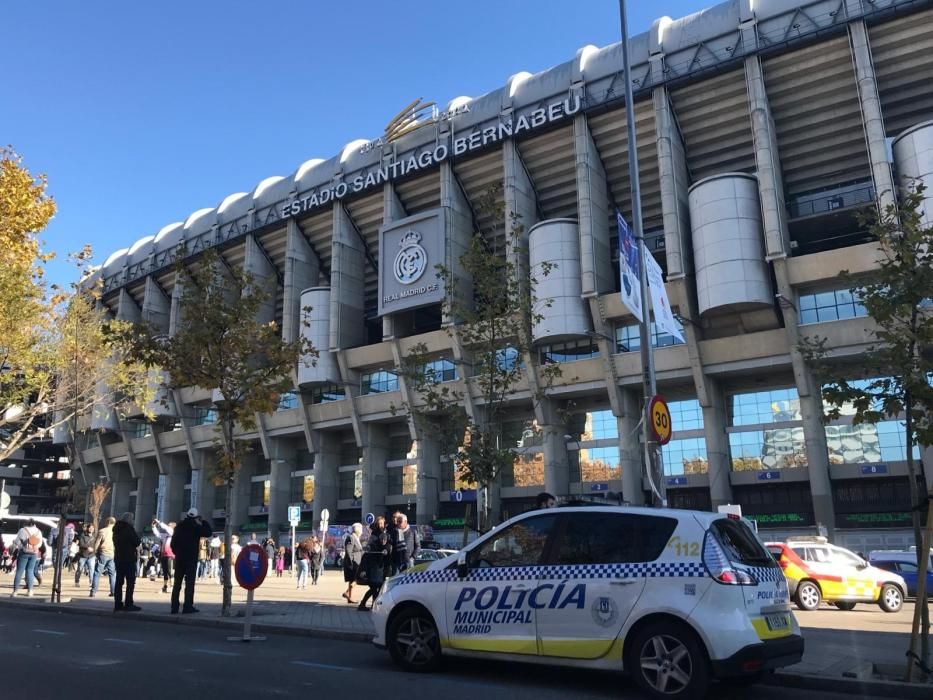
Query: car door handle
{"x": 623, "y": 582}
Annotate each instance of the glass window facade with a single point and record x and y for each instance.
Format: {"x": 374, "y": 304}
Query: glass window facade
{"x": 302, "y": 489}
{"x": 526, "y": 470}
{"x": 861, "y": 444}
{"x": 437, "y": 371}
{"x": 325, "y": 394}
{"x": 259, "y": 492}
{"x": 595, "y": 464}
{"x": 287, "y": 401}
{"x": 773, "y": 406}
{"x": 685, "y": 456}
{"x": 594, "y": 425}
{"x": 350, "y": 484}
{"x": 570, "y": 351}
{"x": 400, "y": 446}
{"x": 768, "y": 449}
{"x": 204, "y": 416}
{"x": 378, "y": 382}
{"x": 686, "y": 415}
{"x": 140, "y": 429}
{"x": 831, "y": 305}
{"x": 403, "y": 481}
{"x": 628, "y": 337}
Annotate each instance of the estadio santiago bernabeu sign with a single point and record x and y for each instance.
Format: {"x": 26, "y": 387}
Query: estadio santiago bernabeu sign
{"x": 409, "y": 251}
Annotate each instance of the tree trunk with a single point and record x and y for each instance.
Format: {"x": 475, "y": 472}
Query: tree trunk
{"x": 225, "y": 609}
{"x": 915, "y": 499}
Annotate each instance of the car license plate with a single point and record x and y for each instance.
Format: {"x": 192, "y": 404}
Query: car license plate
{"x": 777, "y": 622}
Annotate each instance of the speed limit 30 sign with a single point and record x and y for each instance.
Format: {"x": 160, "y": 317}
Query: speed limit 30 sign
{"x": 660, "y": 417}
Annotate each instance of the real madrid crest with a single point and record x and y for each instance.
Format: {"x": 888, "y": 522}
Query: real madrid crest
{"x": 412, "y": 260}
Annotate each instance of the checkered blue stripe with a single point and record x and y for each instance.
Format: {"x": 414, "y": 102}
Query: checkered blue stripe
{"x": 582, "y": 571}
{"x": 768, "y": 574}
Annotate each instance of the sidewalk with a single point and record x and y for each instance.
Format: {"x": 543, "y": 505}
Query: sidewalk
{"x": 837, "y": 659}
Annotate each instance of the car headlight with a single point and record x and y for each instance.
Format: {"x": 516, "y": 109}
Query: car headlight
{"x": 389, "y": 584}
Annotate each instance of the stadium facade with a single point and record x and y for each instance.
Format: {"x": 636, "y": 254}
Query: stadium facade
{"x": 763, "y": 127}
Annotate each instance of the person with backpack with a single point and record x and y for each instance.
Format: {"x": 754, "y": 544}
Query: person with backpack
{"x": 28, "y": 543}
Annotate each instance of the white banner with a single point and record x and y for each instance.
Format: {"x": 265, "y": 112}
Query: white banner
{"x": 160, "y": 501}
{"x": 629, "y": 270}
{"x": 196, "y": 489}
{"x": 660, "y": 305}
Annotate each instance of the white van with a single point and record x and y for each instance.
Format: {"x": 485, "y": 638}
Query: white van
{"x": 673, "y": 597}
{"x": 10, "y": 525}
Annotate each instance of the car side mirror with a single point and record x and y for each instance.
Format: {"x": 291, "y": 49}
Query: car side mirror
{"x": 862, "y": 565}
{"x": 462, "y": 568}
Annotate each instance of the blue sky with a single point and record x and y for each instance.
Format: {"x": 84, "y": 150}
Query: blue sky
{"x": 141, "y": 113}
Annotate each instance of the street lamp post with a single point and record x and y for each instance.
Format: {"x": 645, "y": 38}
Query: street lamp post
{"x": 649, "y": 384}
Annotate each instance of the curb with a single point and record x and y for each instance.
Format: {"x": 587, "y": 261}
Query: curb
{"x": 235, "y": 624}
{"x": 855, "y": 688}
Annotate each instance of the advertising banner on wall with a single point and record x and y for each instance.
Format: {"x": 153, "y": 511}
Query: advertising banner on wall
{"x": 629, "y": 269}
{"x": 410, "y": 250}
{"x": 660, "y": 304}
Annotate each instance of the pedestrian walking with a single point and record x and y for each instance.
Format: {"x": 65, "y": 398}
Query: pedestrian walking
{"x": 269, "y": 546}
{"x": 317, "y": 560}
{"x": 87, "y": 559}
{"x": 279, "y": 562}
{"x": 185, "y": 539}
{"x": 165, "y": 531}
{"x": 27, "y": 545}
{"x": 103, "y": 547}
{"x": 125, "y": 553}
{"x": 352, "y": 556}
{"x": 203, "y": 558}
{"x": 303, "y": 556}
{"x": 375, "y": 561}
{"x": 215, "y": 544}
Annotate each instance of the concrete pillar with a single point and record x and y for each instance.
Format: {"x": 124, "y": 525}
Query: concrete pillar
{"x": 176, "y": 476}
{"x": 174, "y": 316}
{"x": 147, "y": 481}
{"x": 157, "y": 307}
{"x": 429, "y": 479}
{"x": 284, "y": 461}
{"x": 302, "y": 270}
{"x": 674, "y": 182}
{"x": 123, "y": 482}
{"x": 631, "y": 453}
{"x": 239, "y": 511}
{"x": 392, "y": 210}
{"x": 814, "y": 433}
{"x": 458, "y": 230}
{"x": 556, "y": 461}
{"x": 718, "y": 455}
{"x": 326, "y": 477}
{"x": 521, "y": 201}
{"x": 872, "y": 118}
{"x": 127, "y": 308}
{"x": 926, "y": 463}
{"x": 264, "y": 275}
{"x": 767, "y": 163}
{"x": 593, "y": 212}
{"x": 348, "y": 265}
{"x": 375, "y": 477}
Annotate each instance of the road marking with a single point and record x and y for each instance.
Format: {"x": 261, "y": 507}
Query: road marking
{"x": 215, "y": 652}
{"x": 328, "y": 666}
{"x": 57, "y": 634}
{"x": 121, "y": 641}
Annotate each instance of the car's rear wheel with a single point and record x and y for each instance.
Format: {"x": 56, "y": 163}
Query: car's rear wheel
{"x": 891, "y": 598}
{"x": 413, "y": 641}
{"x": 808, "y": 596}
{"x": 844, "y": 605}
{"x": 668, "y": 661}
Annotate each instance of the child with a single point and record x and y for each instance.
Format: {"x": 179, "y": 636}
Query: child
{"x": 279, "y": 562}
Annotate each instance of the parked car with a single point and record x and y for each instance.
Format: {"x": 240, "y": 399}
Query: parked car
{"x": 817, "y": 571}
{"x": 903, "y": 563}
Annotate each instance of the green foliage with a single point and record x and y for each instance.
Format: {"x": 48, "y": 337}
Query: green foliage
{"x": 899, "y": 363}
{"x": 492, "y": 323}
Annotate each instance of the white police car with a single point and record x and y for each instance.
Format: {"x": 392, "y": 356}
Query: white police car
{"x": 674, "y": 597}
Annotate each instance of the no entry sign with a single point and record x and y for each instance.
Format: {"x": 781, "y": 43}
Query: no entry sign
{"x": 251, "y": 567}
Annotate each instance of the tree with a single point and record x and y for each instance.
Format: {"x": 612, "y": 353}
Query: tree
{"x": 97, "y": 494}
{"x": 493, "y": 324}
{"x": 898, "y": 366}
{"x": 221, "y": 344}
{"x": 55, "y": 362}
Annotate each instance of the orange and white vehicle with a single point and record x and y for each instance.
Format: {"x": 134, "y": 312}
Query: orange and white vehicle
{"x": 816, "y": 570}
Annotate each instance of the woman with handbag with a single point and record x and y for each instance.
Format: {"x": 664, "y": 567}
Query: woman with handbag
{"x": 352, "y": 556}
{"x": 374, "y": 561}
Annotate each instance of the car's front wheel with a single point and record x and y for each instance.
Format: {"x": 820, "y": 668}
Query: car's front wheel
{"x": 808, "y": 596}
{"x": 668, "y": 661}
{"x": 413, "y": 641}
{"x": 891, "y": 598}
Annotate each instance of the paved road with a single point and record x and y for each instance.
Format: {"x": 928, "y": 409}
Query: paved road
{"x": 44, "y": 655}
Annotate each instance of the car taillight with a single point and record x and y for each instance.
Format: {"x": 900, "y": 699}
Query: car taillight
{"x": 720, "y": 568}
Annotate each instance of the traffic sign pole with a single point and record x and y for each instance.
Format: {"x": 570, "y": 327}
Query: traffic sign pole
{"x": 250, "y": 570}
